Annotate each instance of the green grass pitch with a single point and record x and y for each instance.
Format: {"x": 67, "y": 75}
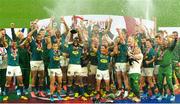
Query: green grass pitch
{"x": 22, "y": 12}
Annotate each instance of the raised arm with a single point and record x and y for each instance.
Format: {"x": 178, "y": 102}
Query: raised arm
{"x": 71, "y": 36}
{"x": 108, "y": 26}
{"x": 48, "y": 42}
{"x": 33, "y": 24}
{"x": 122, "y": 40}
{"x": 14, "y": 37}
{"x": 65, "y": 24}
{"x": 29, "y": 36}
{"x": 79, "y": 31}
{"x": 171, "y": 48}
{"x": 50, "y": 25}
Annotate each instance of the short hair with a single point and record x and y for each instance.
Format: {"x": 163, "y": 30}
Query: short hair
{"x": 41, "y": 30}
{"x": 158, "y": 36}
{"x": 149, "y": 40}
{"x": 38, "y": 34}
{"x": 1, "y": 29}
{"x": 175, "y": 32}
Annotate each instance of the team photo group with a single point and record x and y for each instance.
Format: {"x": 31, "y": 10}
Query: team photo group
{"x": 84, "y": 62}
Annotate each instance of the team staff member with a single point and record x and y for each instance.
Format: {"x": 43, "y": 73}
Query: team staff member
{"x": 135, "y": 72}
{"x": 176, "y": 60}
{"x": 165, "y": 69}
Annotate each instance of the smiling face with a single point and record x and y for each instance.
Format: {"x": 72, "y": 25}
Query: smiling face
{"x": 55, "y": 46}
{"x": 13, "y": 44}
{"x": 96, "y": 29}
{"x": 104, "y": 49}
{"x": 38, "y": 38}
{"x": 148, "y": 44}
{"x": 159, "y": 40}
{"x": 76, "y": 42}
{"x": 42, "y": 32}
{"x": 58, "y": 33}
{"x": 2, "y": 32}
{"x": 130, "y": 41}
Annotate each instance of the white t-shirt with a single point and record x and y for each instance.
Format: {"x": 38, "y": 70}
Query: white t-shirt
{"x": 136, "y": 66}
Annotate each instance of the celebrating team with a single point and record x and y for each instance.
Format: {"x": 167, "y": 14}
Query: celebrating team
{"x": 84, "y": 59}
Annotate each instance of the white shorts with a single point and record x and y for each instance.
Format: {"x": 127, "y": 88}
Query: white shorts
{"x": 92, "y": 70}
{"x": 73, "y": 70}
{"x": 147, "y": 72}
{"x": 13, "y": 70}
{"x": 156, "y": 69}
{"x": 55, "y": 72}
{"x": 84, "y": 72}
{"x": 121, "y": 67}
{"x": 102, "y": 74}
{"x": 37, "y": 65}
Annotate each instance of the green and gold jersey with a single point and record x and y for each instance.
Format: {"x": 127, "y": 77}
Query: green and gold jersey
{"x": 13, "y": 56}
{"x": 54, "y": 59}
{"x": 37, "y": 51}
{"x": 122, "y": 56}
{"x": 103, "y": 61}
{"x": 74, "y": 54}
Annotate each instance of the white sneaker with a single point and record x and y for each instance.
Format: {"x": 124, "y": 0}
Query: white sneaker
{"x": 118, "y": 93}
{"x": 160, "y": 98}
{"x": 172, "y": 99}
{"x": 125, "y": 94}
{"x": 18, "y": 92}
{"x": 137, "y": 100}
